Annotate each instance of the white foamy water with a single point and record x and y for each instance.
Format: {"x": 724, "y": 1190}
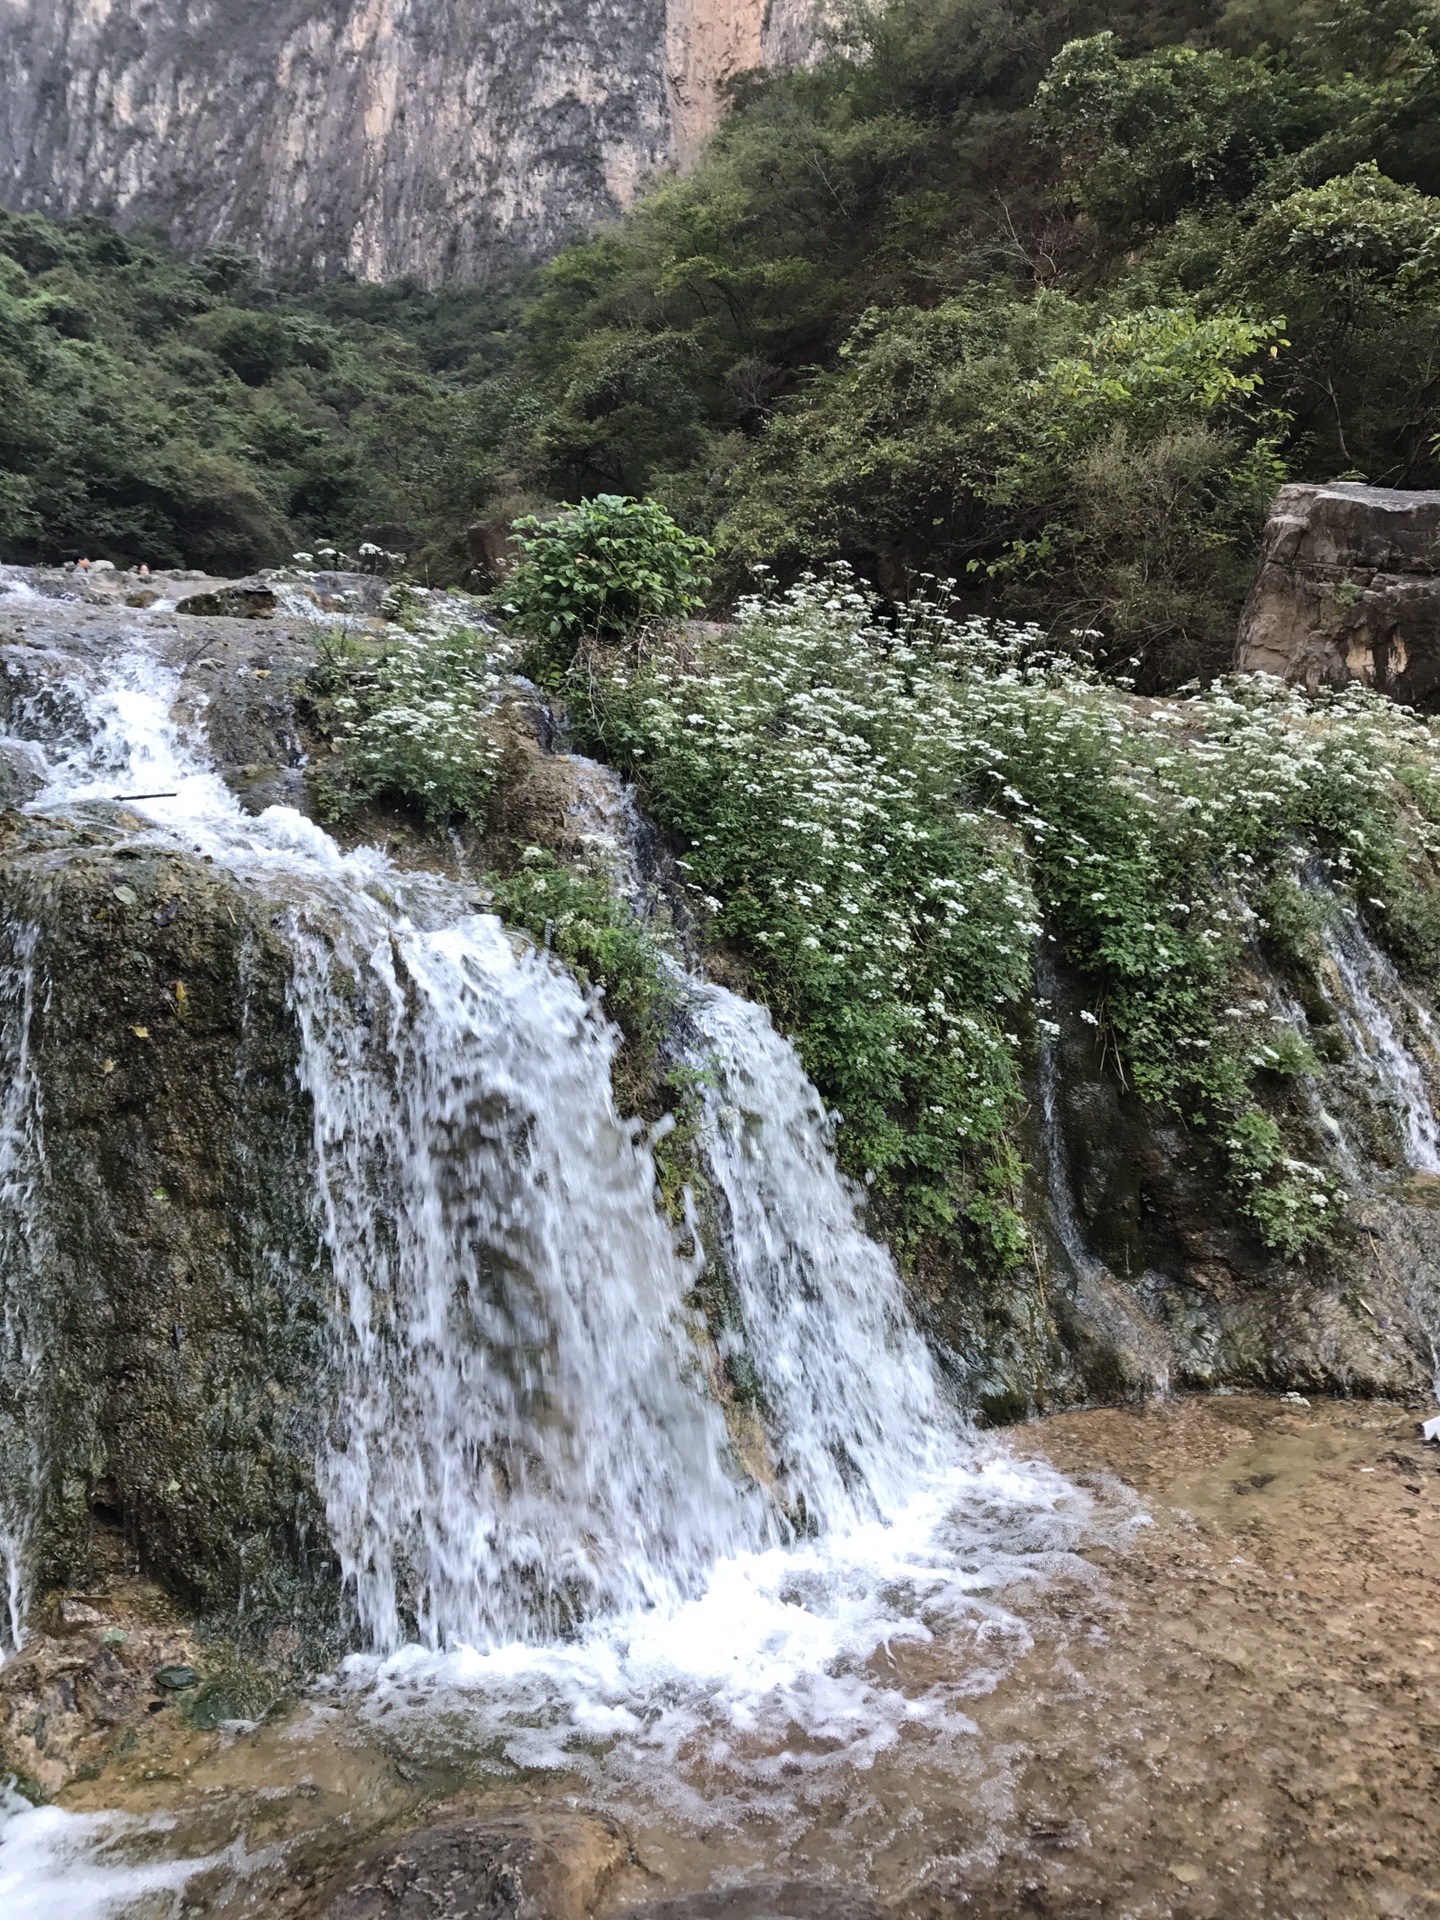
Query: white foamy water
{"x": 21, "y": 1244}
{"x": 554, "y": 1551}
{"x": 98, "y": 1866}
{"x": 1368, "y": 1012}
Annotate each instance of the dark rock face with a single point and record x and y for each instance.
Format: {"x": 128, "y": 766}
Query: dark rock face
{"x": 1348, "y": 589}
{"x": 438, "y": 138}
{"x": 168, "y": 1269}
{"x": 1155, "y": 1281}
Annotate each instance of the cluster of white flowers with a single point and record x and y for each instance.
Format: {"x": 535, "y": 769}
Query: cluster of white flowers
{"x": 883, "y": 799}
{"x": 414, "y": 717}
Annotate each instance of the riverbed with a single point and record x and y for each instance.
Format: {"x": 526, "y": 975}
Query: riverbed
{"x": 1221, "y": 1698}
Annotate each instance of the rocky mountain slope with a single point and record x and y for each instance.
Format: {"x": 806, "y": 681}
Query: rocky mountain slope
{"x": 384, "y": 138}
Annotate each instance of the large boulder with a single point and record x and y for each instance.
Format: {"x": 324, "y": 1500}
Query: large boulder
{"x": 1348, "y": 590}
{"x": 163, "y": 1291}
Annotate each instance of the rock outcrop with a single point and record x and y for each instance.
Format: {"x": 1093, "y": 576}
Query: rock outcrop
{"x": 168, "y": 1346}
{"x": 436, "y": 138}
{"x": 1348, "y": 590}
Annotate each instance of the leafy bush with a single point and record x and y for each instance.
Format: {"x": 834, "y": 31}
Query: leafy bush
{"x": 602, "y": 567}
{"x": 887, "y": 813}
{"x": 408, "y": 720}
{"x": 1103, "y": 469}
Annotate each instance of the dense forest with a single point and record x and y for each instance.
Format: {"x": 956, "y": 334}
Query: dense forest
{"x": 1041, "y": 296}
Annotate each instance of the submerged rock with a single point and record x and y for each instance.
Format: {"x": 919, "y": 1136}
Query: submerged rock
{"x": 786, "y": 1900}
{"x": 530, "y": 1865}
{"x": 1348, "y": 590}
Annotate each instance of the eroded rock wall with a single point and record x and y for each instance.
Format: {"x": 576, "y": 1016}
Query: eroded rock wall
{"x": 436, "y": 138}
{"x": 1348, "y": 590}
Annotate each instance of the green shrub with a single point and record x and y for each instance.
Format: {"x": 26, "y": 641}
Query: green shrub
{"x": 1109, "y": 472}
{"x": 886, "y": 809}
{"x": 602, "y": 567}
{"x": 408, "y": 720}
{"x": 156, "y": 409}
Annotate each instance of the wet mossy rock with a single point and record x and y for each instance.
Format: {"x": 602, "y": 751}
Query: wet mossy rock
{"x": 1155, "y": 1282}
{"x": 168, "y": 1302}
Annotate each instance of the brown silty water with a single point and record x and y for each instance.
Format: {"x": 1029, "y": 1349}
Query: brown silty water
{"x": 1226, "y": 1701}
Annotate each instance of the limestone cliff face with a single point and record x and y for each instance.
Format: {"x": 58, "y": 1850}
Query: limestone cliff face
{"x": 709, "y": 42}
{"x": 439, "y": 138}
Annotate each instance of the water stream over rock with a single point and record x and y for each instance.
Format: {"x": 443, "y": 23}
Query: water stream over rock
{"x": 528, "y": 1484}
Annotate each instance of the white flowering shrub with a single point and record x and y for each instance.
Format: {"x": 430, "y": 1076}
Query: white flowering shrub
{"x": 888, "y": 809}
{"x": 409, "y": 719}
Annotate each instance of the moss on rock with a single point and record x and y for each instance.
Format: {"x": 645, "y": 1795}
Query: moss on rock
{"x": 166, "y": 1292}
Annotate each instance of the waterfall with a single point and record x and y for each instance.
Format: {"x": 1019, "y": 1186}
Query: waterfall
{"x": 525, "y": 1445}
{"x": 556, "y": 1554}
{"x": 21, "y": 1339}
{"x": 1373, "y": 995}
{"x": 849, "y": 1385}
{"x": 523, "y": 1439}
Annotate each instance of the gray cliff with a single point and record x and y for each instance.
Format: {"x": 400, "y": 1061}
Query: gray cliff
{"x": 438, "y": 138}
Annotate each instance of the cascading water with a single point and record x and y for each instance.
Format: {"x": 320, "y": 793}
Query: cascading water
{"x": 521, "y": 1436}
{"x": 1372, "y": 989}
{"x": 21, "y": 1166}
{"x": 526, "y": 1474}
{"x": 848, "y": 1383}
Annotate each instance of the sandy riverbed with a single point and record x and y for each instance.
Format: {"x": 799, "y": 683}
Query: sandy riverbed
{"x": 1230, "y": 1708}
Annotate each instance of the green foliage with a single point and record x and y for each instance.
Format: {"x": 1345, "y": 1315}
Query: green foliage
{"x": 599, "y": 937}
{"x": 1145, "y": 139}
{"x": 407, "y": 719}
{"x": 885, "y": 814}
{"x": 892, "y": 928}
{"x": 1104, "y": 472}
{"x": 185, "y": 414}
{"x": 944, "y": 298}
{"x": 1049, "y": 297}
{"x": 603, "y": 567}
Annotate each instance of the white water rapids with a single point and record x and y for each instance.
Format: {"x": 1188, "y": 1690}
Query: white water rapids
{"x": 531, "y": 1487}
